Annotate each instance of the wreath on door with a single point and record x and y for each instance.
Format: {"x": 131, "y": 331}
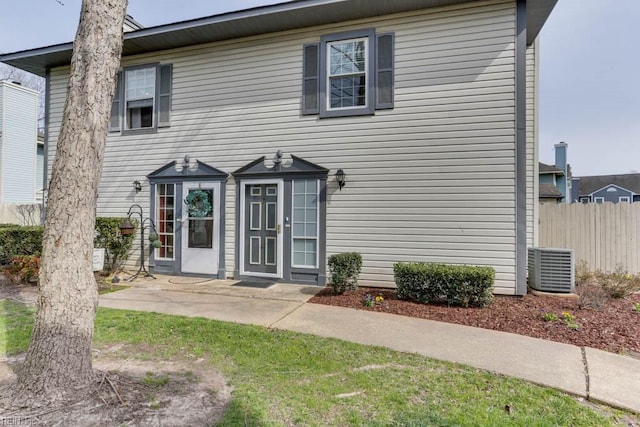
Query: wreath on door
{"x": 198, "y": 204}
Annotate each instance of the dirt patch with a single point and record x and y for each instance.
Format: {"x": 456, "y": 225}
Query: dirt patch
{"x": 615, "y": 327}
{"x": 26, "y": 294}
{"x": 131, "y": 392}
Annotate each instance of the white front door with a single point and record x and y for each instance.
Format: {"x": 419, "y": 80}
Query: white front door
{"x": 200, "y": 227}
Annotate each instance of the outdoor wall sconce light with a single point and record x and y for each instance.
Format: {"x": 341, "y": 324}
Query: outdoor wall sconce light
{"x": 187, "y": 163}
{"x": 341, "y": 178}
{"x": 137, "y": 186}
{"x": 127, "y": 229}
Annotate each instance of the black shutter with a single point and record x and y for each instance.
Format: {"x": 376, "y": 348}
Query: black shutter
{"x": 114, "y": 121}
{"x": 310, "y": 79}
{"x": 384, "y": 71}
{"x": 164, "y": 95}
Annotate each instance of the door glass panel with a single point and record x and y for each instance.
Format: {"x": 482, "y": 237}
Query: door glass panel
{"x": 311, "y": 229}
{"x": 298, "y": 215}
{"x": 305, "y": 223}
{"x": 298, "y": 187}
{"x": 201, "y": 233}
{"x": 299, "y": 258}
{"x": 298, "y": 201}
{"x": 272, "y": 190}
{"x": 164, "y": 220}
{"x": 298, "y": 229}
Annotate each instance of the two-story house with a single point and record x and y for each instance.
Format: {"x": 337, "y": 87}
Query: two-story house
{"x": 555, "y": 180}
{"x": 18, "y": 143}
{"x": 623, "y": 188}
{"x": 268, "y": 139}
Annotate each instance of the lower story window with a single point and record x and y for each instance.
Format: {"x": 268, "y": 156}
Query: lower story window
{"x": 305, "y": 223}
{"x": 165, "y": 209}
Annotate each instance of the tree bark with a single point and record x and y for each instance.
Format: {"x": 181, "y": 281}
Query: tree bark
{"x": 58, "y": 362}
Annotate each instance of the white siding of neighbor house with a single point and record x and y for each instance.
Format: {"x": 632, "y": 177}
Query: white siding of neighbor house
{"x": 532, "y": 145}
{"x": 431, "y": 180}
{"x": 2, "y": 98}
{"x": 19, "y": 136}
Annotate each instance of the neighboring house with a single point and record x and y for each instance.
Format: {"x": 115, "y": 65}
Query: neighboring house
{"x": 607, "y": 188}
{"x": 18, "y": 140}
{"x": 40, "y": 189}
{"x": 555, "y": 180}
{"x": 270, "y": 138}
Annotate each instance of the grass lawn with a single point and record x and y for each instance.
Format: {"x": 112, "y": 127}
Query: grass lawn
{"x": 285, "y": 378}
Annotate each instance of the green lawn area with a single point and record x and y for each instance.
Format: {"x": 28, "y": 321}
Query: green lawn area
{"x": 285, "y": 378}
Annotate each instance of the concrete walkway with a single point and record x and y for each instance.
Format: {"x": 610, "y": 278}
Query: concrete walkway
{"x": 593, "y": 374}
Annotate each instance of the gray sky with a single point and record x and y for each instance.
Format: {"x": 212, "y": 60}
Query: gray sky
{"x": 589, "y": 89}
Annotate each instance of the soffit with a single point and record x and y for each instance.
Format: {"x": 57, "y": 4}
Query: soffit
{"x": 261, "y": 20}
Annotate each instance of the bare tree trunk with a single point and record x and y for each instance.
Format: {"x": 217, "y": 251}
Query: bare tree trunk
{"x": 58, "y": 362}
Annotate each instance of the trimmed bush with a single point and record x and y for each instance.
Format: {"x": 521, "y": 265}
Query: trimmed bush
{"x": 16, "y": 240}
{"x": 117, "y": 246}
{"x": 462, "y": 285}
{"x": 418, "y": 281}
{"x": 344, "y": 268}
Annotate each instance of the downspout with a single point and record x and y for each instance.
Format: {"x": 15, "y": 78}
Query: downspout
{"x": 521, "y": 147}
{"x": 45, "y": 172}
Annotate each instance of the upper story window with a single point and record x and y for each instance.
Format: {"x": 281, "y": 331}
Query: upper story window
{"x": 348, "y": 74}
{"x": 142, "y": 102}
{"x": 139, "y": 97}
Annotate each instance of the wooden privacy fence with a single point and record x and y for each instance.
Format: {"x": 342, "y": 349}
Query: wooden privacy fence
{"x": 604, "y": 235}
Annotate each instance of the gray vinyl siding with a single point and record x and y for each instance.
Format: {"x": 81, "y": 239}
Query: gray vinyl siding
{"x": 612, "y": 196}
{"x": 19, "y": 136}
{"x": 532, "y": 145}
{"x": 431, "y": 180}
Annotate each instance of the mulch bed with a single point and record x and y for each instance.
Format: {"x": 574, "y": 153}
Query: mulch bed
{"x": 614, "y": 328}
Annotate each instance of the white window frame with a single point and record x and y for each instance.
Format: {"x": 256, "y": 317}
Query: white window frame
{"x": 624, "y": 199}
{"x": 328, "y": 74}
{"x": 598, "y": 200}
{"x": 585, "y": 199}
{"x": 126, "y": 99}
{"x": 293, "y": 236}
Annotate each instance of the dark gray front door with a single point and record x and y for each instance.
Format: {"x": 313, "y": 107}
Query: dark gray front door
{"x": 261, "y": 229}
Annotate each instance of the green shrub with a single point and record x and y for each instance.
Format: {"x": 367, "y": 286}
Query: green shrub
{"x": 344, "y": 268}
{"x": 117, "y": 246}
{"x": 418, "y": 281}
{"x": 16, "y": 240}
{"x": 463, "y": 285}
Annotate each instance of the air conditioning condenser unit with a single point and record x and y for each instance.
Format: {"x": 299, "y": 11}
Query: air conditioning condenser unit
{"x": 551, "y": 270}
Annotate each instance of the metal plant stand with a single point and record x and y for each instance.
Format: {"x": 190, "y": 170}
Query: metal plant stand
{"x": 127, "y": 228}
